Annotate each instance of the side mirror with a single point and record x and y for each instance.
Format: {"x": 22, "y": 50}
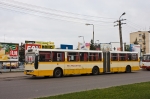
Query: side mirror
{"x": 36, "y": 62}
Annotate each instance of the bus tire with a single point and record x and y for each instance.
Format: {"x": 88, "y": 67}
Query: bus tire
{"x": 57, "y": 73}
{"x": 128, "y": 69}
{"x": 95, "y": 70}
{"x": 147, "y": 69}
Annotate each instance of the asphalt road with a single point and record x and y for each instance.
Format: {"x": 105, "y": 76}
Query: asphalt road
{"x": 28, "y": 87}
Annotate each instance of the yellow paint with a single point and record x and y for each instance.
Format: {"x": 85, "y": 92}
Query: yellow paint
{"x": 46, "y": 68}
{"x": 118, "y": 69}
{"x": 134, "y": 68}
{"x": 45, "y": 72}
{"x": 76, "y": 71}
{"x": 35, "y": 72}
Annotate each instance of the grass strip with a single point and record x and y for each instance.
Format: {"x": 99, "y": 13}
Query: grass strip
{"x": 131, "y": 91}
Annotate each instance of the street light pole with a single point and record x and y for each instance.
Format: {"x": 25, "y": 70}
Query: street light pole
{"x": 93, "y": 30}
{"x": 83, "y": 38}
{"x": 120, "y": 30}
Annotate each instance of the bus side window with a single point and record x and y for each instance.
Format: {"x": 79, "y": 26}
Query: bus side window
{"x": 54, "y": 56}
{"x": 134, "y": 57}
{"x": 58, "y": 56}
{"x": 96, "y": 57}
{"x": 114, "y": 57}
{"x": 128, "y": 57}
{"x": 83, "y": 56}
{"x": 122, "y": 57}
{"x": 73, "y": 56}
{"x": 44, "y": 56}
{"x": 86, "y": 57}
{"x": 91, "y": 56}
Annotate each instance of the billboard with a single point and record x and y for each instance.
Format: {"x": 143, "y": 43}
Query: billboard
{"x": 116, "y": 46}
{"x": 44, "y": 45}
{"x": 32, "y": 46}
{"x": 135, "y": 48}
{"x": 105, "y": 47}
{"x": 9, "y": 51}
{"x": 65, "y": 46}
{"x": 83, "y": 46}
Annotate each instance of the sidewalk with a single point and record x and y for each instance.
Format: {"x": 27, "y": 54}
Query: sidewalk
{"x": 12, "y": 75}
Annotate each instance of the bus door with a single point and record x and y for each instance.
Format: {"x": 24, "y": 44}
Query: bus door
{"x": 30, "y": 61}
{"x": 106, "y": 62}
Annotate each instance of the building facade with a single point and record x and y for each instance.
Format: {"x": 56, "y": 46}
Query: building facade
{"x": 141, "y": 38}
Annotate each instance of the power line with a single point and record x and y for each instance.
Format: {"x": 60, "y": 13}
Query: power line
{"x": 48, "y": 13}
{"x": 38, "y": 15}
{"x": 56, "y": 10}
{"x": 132, "y": 27}
{"x": 135, "y": 25}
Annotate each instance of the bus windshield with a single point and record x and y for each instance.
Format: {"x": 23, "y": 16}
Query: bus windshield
{"x": 30, "y": 58}
{"x": 146, "y": 58}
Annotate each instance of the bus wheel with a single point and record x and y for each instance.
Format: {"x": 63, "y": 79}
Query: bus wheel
{"x": 57, "y": 73}
{"x": 95, "y": 70}
{"x": 148, "y": 69}
{"x": 128, "y": 69}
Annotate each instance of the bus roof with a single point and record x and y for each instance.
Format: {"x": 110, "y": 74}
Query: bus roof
{"x": 66, "y": 50}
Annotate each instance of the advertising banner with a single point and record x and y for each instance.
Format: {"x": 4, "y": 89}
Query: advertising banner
{"x": 83, "y": 46}
{"x": 9, "y": 51}
{"x": 135, "y": 48}
{"x": 105, "y": 47}
{"x": 116, "y": 46}
{"x": 39, "y": 44}
{"x": 32, "y": 46}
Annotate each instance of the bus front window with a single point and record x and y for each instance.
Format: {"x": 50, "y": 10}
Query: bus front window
{"x": 145, "y": 58}
{"x": 30, "y": 58}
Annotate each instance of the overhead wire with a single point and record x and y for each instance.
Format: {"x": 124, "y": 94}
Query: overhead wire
{"x": 134, "y": 24}
{"x": 48, "y": 13}
{"x": 29, "y": 5}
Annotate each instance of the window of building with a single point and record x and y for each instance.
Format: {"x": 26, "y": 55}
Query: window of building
{"x": 73, "y": 56}
{"x": 141, "y": 45}
{"x": 140, "y": 40}
{"x": 114, "y": 56}
{"x": 140, "y": 35}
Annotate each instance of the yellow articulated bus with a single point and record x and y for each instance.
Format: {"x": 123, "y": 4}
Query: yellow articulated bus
{"x": 58, "y": 62}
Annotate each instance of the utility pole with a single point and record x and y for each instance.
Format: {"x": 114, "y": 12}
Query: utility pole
{"x": 93, "y": 30}
{"x": 120, "y": 30}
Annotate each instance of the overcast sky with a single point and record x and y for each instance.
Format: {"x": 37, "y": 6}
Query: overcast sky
{"x": 62, "y": 21}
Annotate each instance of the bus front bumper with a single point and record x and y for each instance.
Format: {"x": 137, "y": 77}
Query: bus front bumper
{"x": 30, "y": 72}
{"x": 145, "y": 67}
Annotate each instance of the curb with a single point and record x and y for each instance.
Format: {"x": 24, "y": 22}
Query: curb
{"x": 12, "y": 77}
